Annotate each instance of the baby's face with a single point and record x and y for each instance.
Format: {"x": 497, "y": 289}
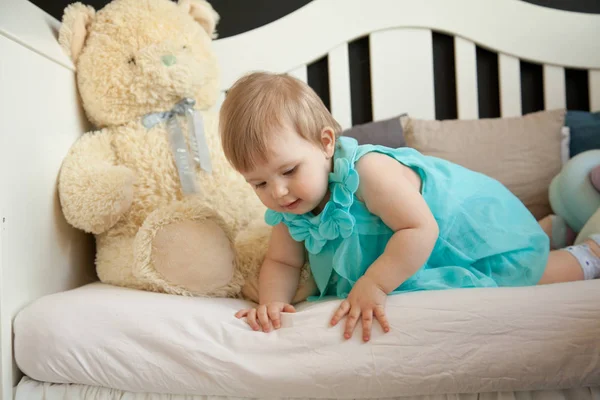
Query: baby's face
{"x": 295, "y": 177}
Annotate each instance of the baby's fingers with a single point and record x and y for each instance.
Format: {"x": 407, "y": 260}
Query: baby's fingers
{"x": 380, "y": 315}
{"x": 273, "y": 312}
{"x": 340, "y": 313}
{"x": 263, "y": 318}
{"x": 351, "y": 321}
{"x": 367, "y": 322}
{"x": 242, "y": 313}
{"x": 289, "y": 308}
{"x": 251, "y": 319}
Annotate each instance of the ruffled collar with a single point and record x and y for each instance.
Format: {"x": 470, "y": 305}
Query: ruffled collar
{"x": 334, "y": 221}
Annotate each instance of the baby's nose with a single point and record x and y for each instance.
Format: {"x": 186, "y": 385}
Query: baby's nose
{"x": 280, "y": 191}
{"x": 168, "y": 60}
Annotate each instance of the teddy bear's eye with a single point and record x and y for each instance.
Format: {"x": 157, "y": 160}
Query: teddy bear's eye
{"x": 131, "y": 60}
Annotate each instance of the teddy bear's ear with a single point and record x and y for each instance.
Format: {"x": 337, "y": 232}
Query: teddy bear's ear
{"x": 203, "y": 13}
{"x": 74, "y": 28}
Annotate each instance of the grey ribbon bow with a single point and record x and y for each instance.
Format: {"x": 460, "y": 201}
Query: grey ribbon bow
{"x": 185, "y": 160}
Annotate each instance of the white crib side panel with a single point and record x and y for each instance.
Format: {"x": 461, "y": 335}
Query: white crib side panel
{"x": 40, "y": 118}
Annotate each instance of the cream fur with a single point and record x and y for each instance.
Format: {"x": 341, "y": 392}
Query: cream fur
{"x": 74, "y": 28}
{"x": 203, "y": 13}
{"x": 120, "y": 182}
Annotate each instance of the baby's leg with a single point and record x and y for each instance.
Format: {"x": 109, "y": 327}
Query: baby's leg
{"x": 560, "y": 234}
{"x": 574, "y": 263}
{"x": 546, "y": 224}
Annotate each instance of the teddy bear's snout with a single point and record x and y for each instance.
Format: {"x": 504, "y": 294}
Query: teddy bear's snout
{"x": 168, "y": 60}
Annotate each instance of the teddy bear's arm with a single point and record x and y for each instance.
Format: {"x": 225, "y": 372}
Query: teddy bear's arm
{"x": 94, "y": 192}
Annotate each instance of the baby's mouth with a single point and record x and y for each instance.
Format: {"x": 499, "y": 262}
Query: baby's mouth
{"x": 292, "y": 205}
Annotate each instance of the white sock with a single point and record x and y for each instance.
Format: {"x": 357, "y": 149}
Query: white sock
{"x": 590, "y": 263}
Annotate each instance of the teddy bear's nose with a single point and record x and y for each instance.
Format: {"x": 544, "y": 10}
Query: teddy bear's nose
{"x": 168, "y": 60}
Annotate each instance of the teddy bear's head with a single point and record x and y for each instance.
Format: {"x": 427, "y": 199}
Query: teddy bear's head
{"x": 134, "y": 57}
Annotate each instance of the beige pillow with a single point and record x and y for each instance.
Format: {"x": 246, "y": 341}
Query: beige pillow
{"x": 523, "y": 153}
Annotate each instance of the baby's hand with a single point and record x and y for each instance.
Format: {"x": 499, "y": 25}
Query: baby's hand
{"x": 265, "y": 314}
{"x": 366, "y": 299}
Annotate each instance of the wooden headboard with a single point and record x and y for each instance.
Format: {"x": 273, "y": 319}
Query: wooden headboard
{"x": 401, "y": 54}
{"x": 41, "y": 115}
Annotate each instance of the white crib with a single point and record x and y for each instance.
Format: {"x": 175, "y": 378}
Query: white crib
{"x": 41, "y": 118}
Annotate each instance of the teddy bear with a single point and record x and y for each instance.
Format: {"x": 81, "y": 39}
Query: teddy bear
{"x": 575, "y": 200}
{"x": 151, "y": 183}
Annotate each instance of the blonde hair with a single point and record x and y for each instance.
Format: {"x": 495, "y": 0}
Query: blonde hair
{"x": 259, "y": 104}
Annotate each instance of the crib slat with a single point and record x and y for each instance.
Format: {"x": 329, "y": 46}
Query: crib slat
{"x": 554, "y": 87}
{"x": 466, "y": 79}
{"x": 339, "y": 85}
{"x": 402, "y": 73}
{"x": 509, "y": 72}
{"x": 594, "y": 89}
{"x": 301, "y": 73}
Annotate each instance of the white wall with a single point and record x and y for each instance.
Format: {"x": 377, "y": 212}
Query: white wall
{"x": 40, "y": 118}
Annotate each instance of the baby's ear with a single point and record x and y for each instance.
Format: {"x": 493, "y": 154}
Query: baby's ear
{"x": 74, "y": 28}
{"x": 203, "y": 13}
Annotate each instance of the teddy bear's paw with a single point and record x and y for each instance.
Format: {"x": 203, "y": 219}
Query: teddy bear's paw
{"x": 194, "y": 255}
{"x": 96, "y": 199}
{"x": 306, "y": 287}
{"x": 115, "y": 187}
{"x": 124, "y": 187}
{"x": 251, "y": 246}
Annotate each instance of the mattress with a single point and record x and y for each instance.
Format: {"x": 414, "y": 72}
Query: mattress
{"x": 455, "y": 341}
{"x": 29, "y": 389}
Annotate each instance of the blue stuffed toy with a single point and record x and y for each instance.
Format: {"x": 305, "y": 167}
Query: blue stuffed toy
{"x": 575, "y": 200}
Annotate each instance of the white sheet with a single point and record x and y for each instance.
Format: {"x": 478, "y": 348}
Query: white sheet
{"x": 29, "y": 389}
{"x": 460, "y": 341}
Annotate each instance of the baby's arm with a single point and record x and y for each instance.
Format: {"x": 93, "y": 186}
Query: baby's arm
{"x": 278, "y": 280}
{"x": 280, "y": 272}
{"x": 391, "y": 191}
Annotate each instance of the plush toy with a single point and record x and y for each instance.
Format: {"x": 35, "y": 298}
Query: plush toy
{"x": 168, "y": 212}
{"x": 575, "y": 200}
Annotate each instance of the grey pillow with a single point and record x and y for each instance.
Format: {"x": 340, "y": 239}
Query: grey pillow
{"x": 387, "y": 132}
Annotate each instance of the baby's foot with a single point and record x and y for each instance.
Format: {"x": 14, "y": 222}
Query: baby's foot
{"x": 561, "y": 234}
{"x": 588, "y": 256}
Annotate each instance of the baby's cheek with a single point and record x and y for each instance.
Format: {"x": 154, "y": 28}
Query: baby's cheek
{"x": 308, "y": 187}
{"x": 263, "y": 198}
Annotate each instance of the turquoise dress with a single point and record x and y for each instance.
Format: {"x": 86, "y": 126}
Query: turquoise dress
{"x": 487, "y": 237}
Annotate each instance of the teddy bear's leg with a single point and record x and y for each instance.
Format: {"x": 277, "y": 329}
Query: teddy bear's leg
{"x": 251, "y": 246}
{"x": 187, "y": 249}
{"x": 114, "y": 261}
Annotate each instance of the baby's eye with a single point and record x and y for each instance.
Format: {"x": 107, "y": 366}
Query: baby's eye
{"x": 260, "y": 185}
{"x": 290, "y": 171}
{"x": 185, "y": 47}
